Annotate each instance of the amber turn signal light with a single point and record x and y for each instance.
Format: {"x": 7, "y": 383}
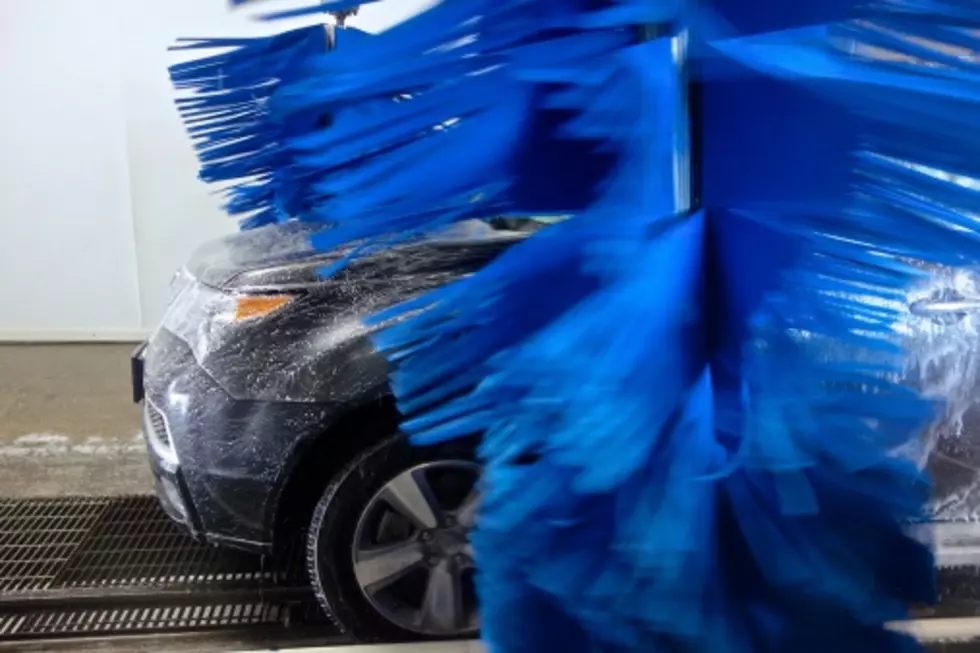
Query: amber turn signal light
{"x": 251, "y": 306}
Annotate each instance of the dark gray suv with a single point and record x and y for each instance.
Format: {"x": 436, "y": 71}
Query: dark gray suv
{"x": 266, "y": 409}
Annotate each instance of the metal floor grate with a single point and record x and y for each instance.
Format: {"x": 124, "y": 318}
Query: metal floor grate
{"x": 89, "y": 621}
{"x": 37, "y": 538}
{"x": 134, "y": 543}
{"x": 94, "y": 566}
{"x": 72, "y": 567}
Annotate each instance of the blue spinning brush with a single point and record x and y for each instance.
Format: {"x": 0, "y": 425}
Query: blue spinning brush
{"x": 693, "y": 419}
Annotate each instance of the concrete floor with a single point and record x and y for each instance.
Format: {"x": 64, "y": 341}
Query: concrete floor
{"x": 67, "y": 422}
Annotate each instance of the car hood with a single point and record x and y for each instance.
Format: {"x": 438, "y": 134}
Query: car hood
{"x": 282, "y": 255}
{"x": 218, "y": 262}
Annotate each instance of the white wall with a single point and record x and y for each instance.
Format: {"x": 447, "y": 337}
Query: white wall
{"x": 101, "y": 201}
{"x": 173, "y": 211}
{"x": 67, "y": 261}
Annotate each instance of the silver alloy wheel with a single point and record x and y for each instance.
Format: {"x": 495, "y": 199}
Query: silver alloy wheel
{"x": 430, "y": 549}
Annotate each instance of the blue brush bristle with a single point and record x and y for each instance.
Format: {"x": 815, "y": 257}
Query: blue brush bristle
{"x": 692, "y": 420}
{"x": 236, "y": 136}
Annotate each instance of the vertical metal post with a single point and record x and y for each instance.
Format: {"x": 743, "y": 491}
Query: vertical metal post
{"x": 681, "y": 199}
{"x": 340, "y": 17}
{"x": 683, "y": 160}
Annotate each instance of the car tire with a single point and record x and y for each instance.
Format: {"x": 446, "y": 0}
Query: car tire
{"x": 388, "y": 551}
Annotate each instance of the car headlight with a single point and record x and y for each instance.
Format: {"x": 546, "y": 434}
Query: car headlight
{"x": 205, "y": 317}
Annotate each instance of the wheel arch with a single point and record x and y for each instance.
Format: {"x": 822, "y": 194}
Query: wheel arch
{"x": 316, "y": 460}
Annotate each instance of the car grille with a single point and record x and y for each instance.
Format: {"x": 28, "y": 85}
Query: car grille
{"x": 161, "y": 432}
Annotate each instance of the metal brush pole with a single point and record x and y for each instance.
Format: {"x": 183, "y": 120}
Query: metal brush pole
{"x": 681, "y": 172}
{"x": 683, "y": 160}
{"x": 340, "y": 17}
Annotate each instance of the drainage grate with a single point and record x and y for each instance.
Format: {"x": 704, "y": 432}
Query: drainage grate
{"x": 135, "y": 544}
{"x": 959, "y": 594}
{"x": 37, "y": 538}
{"x": 96, "y": 566}
{"x": 94, "y": 621}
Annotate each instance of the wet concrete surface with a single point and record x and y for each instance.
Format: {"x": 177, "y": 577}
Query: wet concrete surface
{"x": 67, "y": 422}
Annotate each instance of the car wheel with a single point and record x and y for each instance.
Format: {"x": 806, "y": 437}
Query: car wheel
{"x": 388, "y": 549}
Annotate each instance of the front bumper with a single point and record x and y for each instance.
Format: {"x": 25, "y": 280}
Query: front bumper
{"x": 168, "y": 482}
{"x": 170, "y": 488}
{"x": 163, "y": 370}
{"x": 219, "y": 461}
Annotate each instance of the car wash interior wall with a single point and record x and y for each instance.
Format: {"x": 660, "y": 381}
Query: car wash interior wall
{"x": 100, "y": 200}
{"x": 100, "y": 204}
